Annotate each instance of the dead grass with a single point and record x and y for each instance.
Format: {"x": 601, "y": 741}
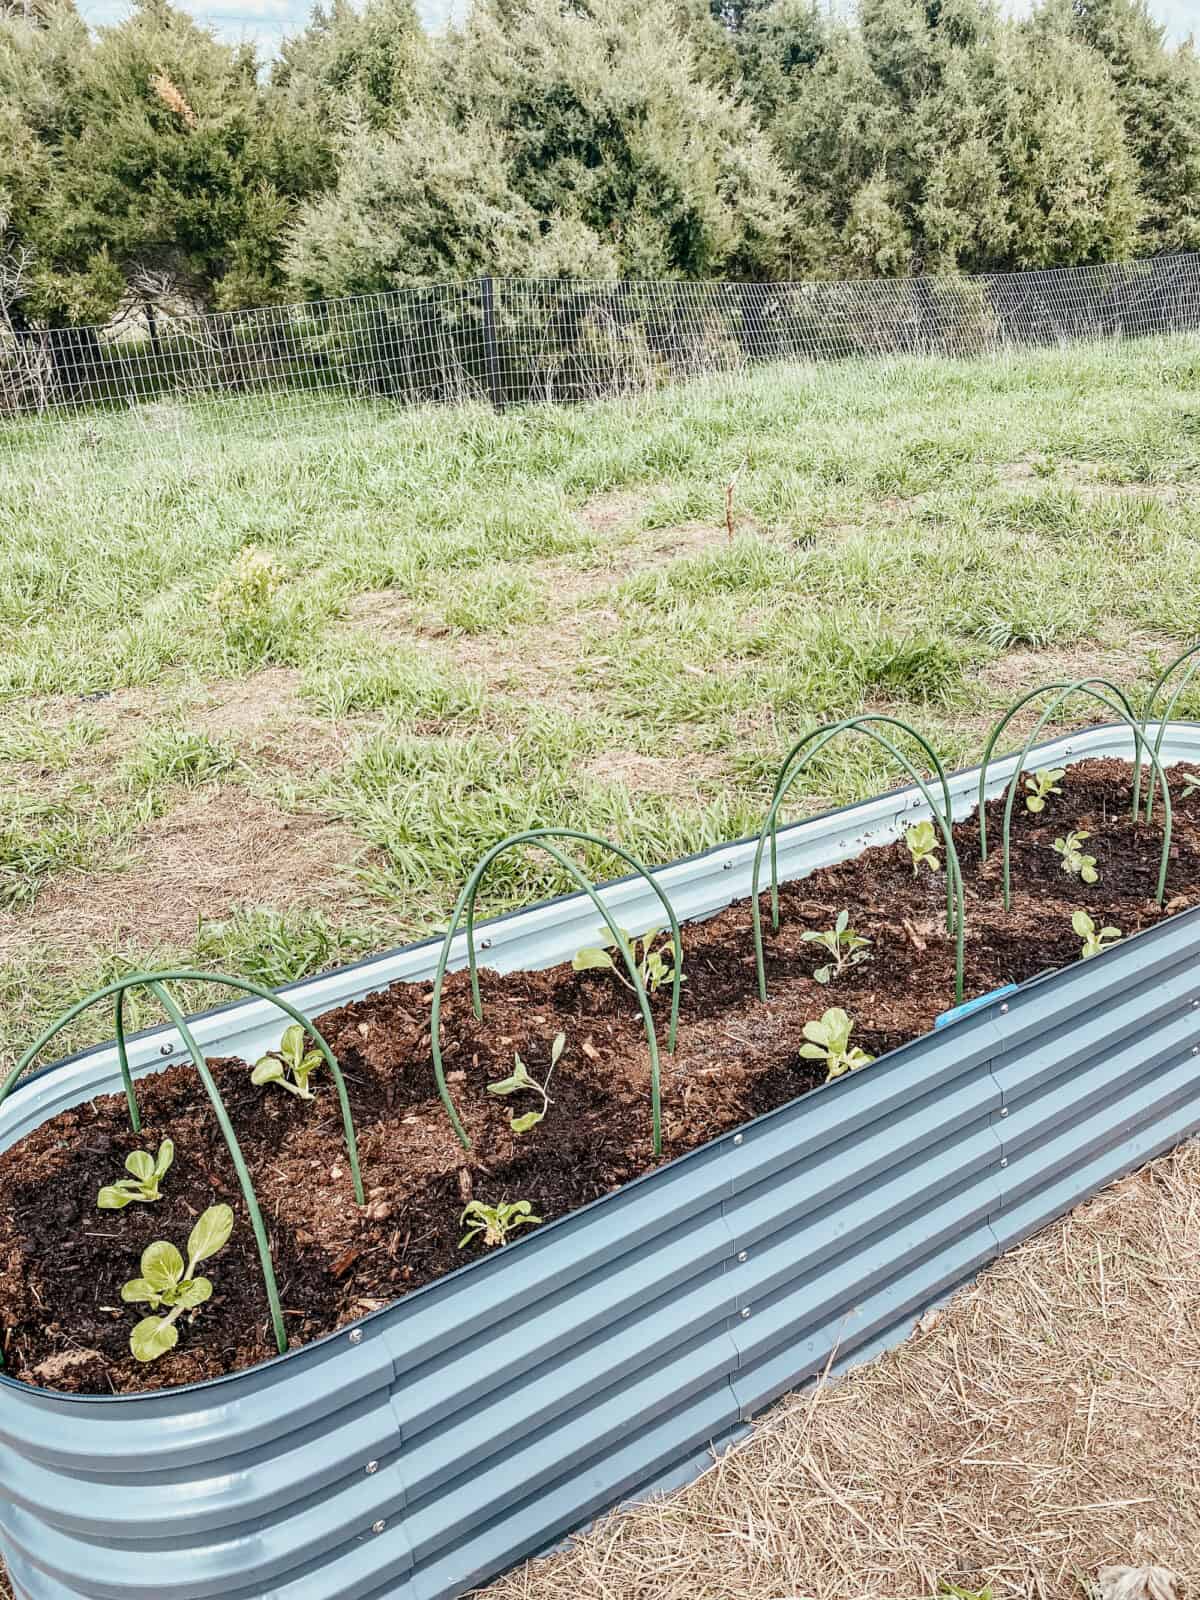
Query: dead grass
{"x": 533, "y": 660}
{"x": 683, "y": 777}
{"x": 215, "y": 850}
{"x": 1122, "y": 663}
{"x": 1045, "y": 1424}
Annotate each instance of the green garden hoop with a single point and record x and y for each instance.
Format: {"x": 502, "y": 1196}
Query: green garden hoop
{"x": 465, "y": 909}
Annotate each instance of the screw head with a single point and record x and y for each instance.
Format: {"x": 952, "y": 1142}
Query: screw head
{"x": 727, "y": 866}
{"x": 378, "y": 1527}
{"x": 485, "y": 944}
{"x": 1196, "y": 1049}
{"x": 356, "y": 1336}
{"x": 1003, "y": 1161}
{"x": 739, "y": 1138}
{"x": 1196, "y": 1005}
{"x": 166, "y": 1050}
{"x": 1003, "y": 1111}
{"x": 372, "y": 1468}
{"x": 1004, "y": 1008}
{"x": 745, "y": 1312}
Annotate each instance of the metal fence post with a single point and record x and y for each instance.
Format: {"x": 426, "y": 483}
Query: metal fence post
{"x": 491, "y": 348}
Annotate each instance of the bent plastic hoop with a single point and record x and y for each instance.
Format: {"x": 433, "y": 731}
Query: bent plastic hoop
{"x": 466, "y": 906}
{"x": 817, "y": 740}
{"x": 156, "y": 983}
{"x": 1083, "y": 686}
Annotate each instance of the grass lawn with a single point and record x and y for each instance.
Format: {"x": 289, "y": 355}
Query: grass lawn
{"x": 466, "y": 624}
{"x": 486, "y": 623}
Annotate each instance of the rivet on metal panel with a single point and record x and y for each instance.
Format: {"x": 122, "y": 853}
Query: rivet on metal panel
{"x": 166, "y": 1050}
{"x": 378, "y": 1527}
{"x": 1196, "y": 1049}
{"x": 1003, "y": 1007}
{"x": 485, "y": 944}
{"x": 739, "y": 1138}
{"x": 743, "y": 1255}
{"x": 355, "y": 1335}
{"x": 1003, "y": 1161}
{"x": 745, "y": 1312}
{"x": 1196, "y": 1005}
{"x": 1003, "y": 1111}
{"x": 372, "y": 1467}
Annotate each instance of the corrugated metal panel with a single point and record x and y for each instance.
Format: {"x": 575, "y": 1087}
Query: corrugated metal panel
{"x": 489, "y": 1414}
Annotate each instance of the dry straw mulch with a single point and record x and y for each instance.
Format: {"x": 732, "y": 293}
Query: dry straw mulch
{"x": 1045, "y": 1425}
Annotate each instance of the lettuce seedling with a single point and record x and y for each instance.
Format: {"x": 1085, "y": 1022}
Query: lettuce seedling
{"x": 495, "y": 1223}
{"x": 845, "y": 946}
{"x": 922, "y": 842}
{"x": 1073, "y": 859}
{"x": 521, "y": 1080}
{"x": 830, "y": 1043}
{"x": 655, "y": 963}
{"x": 1041, "y": 786}
{"x": 1093, "y": 942}
{"x": 145, "y": 1183}
{"x": 291, "y": 1066}
{"x": 1191, "y": 784}
{"x": 166, "y": 1281}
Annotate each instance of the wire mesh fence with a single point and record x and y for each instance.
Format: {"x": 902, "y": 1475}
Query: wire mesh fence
{"x": 508, "y": 342}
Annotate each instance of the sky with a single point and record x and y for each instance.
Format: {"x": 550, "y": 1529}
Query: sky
{"x": 266, "y": 21}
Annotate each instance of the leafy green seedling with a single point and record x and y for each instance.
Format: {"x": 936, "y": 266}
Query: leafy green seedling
{"x": 922, "y": 842}
{"x": 1073, "y": 859}
{"x": 1191, "y": 784}
{"x": 1093, "y": 942}
{"x": 291, "y": 1066}
{"x": 146, "y": 1182}
{"x": 495, "y": 1223}
{"x": 520, "y": 1080}
{"x": 830, "y": 1043}
{"x": 845, "y": 946}
{"x": 655, "y": 963}
{"x": 1041, "y": 786}
{"x": 166, "y": 1281}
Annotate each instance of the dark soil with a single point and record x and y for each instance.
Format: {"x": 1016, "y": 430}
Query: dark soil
{"x": 62, "y": 1262}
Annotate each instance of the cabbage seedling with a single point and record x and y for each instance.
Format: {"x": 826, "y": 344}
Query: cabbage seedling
{"x": 291, "y": 1066}
{"x": 1093, "y": 942}
{"x": 655, "y": 963}
{"x": 520, "y": 1080}
{"x": 166, "y": 1281}
{"x": 1041, "y": 786}
{"x": 495, "y": 1223}
{"x": 145, "y": 1183}
{"x": 1073, "y": 859}
{"x": 922, "y": 843}
{"x": 830, "y": 1043}
{"x": 845, "y": 946}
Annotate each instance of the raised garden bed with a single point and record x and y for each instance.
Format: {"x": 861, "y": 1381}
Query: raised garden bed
{"x": 436, "y": 1437}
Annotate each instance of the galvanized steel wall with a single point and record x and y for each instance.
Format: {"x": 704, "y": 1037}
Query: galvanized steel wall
{"x": 488, "y": 1414}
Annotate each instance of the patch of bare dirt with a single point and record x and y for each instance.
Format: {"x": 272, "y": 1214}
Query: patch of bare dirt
{"x": 530, "y": 662}
{"x": 615, "y": 509}
{"x": 682, "y": 777}
{"x": 218, "y": 849}
{"x": 388, "y": 615}
{"x": 261, "y": 715}
{"x": 1084, "y": 479}
{"x": 1123, "y": 663}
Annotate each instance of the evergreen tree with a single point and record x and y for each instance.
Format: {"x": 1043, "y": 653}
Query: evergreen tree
{"x": 1158, "y": 93}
